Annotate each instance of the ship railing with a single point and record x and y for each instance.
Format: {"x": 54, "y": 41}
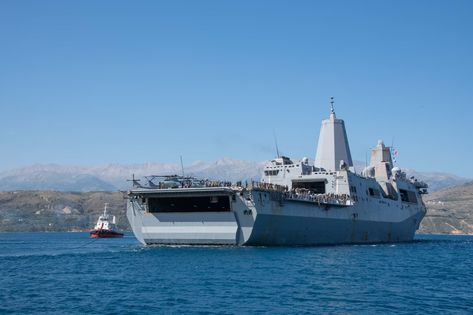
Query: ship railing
{"x": 188, "y": 184}
{"x": 321, "y": 199}
{"x": 268, "y": 187}
{"x": 301, "y": 194}
{"x": 206, "y": 183}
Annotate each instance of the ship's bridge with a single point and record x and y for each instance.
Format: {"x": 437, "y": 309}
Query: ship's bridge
{"x": 284, "y": 165}
{"x": 287, "y": 173}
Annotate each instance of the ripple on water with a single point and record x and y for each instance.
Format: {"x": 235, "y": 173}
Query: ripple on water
{"x": 66, "y": 273}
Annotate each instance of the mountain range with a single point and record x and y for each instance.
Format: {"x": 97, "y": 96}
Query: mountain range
{"x": 449, "y": 211}
{"x": 69, "y": 198}
{"x": 113, "y": 177}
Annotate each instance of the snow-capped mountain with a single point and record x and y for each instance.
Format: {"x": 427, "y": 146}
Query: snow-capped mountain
{"x": 114, "y": 176}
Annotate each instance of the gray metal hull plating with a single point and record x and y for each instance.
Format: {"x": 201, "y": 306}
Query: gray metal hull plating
{"x": 271, "y": 230}
{"x": 257, "y": 220}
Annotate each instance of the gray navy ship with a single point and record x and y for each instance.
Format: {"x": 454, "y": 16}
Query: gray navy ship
{"x": 294, "y": 203}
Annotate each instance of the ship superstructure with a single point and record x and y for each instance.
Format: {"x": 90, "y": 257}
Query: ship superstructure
{"x": 295, "y": 203}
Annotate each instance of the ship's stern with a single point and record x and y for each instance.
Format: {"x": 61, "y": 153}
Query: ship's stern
{"x": 189, "y": 216}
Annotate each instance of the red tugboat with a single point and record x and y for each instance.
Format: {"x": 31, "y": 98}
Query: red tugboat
{"x": 106, "y": 226}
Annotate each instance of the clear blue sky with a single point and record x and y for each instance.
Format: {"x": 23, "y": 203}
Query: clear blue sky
{"x": 94, "y": 82}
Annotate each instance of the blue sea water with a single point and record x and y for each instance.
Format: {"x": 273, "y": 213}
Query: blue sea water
{"x": 68, "y": 273}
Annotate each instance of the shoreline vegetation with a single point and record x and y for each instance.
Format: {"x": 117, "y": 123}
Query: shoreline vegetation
{"x": 449, "y": 211}
{"x": 53, "y": 211}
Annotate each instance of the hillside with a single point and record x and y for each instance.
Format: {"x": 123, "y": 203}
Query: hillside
{"x": 57, "y": 211}
{"x": 450, "y": 211}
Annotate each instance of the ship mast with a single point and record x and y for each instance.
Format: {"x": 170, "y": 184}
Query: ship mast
{"x": 333, "y": 146}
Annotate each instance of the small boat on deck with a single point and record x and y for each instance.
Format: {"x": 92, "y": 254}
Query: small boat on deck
{"x": 106, "y": 226}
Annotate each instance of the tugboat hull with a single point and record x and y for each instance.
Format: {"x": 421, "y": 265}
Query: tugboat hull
{"x": 105, "y": 234}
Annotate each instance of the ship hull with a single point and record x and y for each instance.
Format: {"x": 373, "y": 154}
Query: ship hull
{"x": 259, "y": 219}
{"x": 277, "y": 230}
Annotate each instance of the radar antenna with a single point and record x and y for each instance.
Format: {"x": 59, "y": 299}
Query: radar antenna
{"x": 276, "y": 143}
{"x": 182, "y": 167}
